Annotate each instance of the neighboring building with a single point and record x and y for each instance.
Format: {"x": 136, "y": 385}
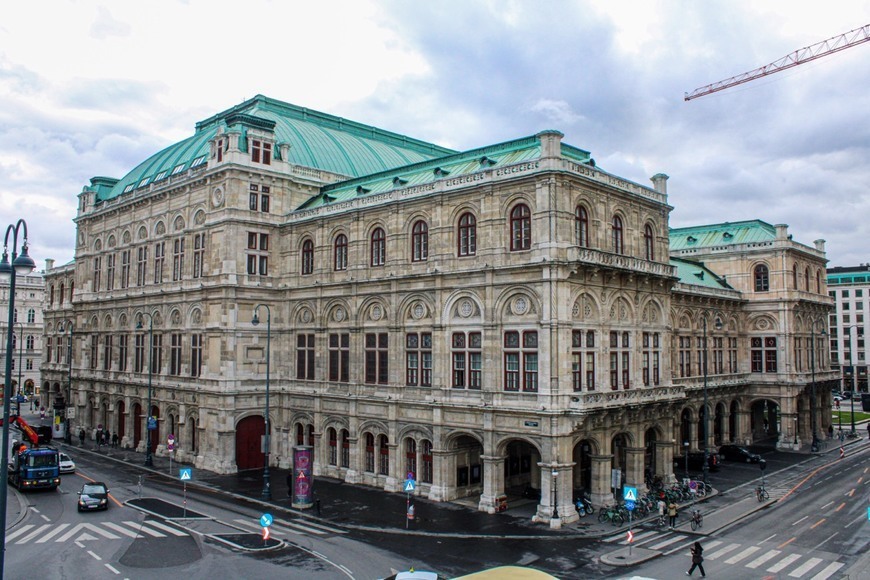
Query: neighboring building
{"x": 850, "y": 324}
{"x": 483, "y": 319}
{"x": 27, "y": 332}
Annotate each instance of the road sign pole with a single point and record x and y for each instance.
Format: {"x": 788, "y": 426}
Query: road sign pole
{"x": 407, "y": 509}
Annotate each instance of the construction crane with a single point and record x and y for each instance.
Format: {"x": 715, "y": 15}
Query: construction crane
{"x": 806, "y": 54}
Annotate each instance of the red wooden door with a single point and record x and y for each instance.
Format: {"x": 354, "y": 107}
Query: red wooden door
{"x": 249, "y": 432}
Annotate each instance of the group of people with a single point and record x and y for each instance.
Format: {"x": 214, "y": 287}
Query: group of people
{"x": 101, "y": 436}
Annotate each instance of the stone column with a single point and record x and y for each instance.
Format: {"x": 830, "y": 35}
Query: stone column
{"x": 441, "y": 464}
{"x": 394, "y": 478}
{"x": 353, "y": 473}
{"x": 493, "y": 482}
{"x": 634, "y": 468}
{"x": 601, "y": 493}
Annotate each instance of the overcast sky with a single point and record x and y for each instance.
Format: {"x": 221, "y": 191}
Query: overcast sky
{"x": 93, "y": 88}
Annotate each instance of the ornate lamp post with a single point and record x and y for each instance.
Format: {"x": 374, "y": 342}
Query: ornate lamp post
{"x": 20, "y": 364}
{"x": 67, "y": 435}
{"x": 20, "y": 266}
{"x": 267, "y": 486}
{"x": 815, "y": 444}
{"x": 555, "y": 474}
{"x": 148, "y": 460}
{"x": 706, "y": 468}
{"x": 854, "y": 383}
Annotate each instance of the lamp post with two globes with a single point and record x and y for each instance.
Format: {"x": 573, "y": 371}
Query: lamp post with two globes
{"x": 267, "y": 484}
{"x": 148, "y": 419}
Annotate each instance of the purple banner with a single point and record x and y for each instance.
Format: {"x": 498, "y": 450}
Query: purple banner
{"x": 303, "y": 480}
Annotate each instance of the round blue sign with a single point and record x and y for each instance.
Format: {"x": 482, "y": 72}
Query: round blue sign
{"x": 266, "y": 520}
{"x": 629, "y": 505}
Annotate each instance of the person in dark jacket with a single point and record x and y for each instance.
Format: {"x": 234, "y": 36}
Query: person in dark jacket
{"x": 697, "y": 560}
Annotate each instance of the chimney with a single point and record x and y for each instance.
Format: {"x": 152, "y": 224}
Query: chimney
{"x": 820, "y": 245}
{"x": 781, "y": 231}
{"x": 49, "y": 264}
{"x": 660, "y": 183}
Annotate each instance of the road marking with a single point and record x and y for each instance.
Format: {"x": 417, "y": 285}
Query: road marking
{"x": 18, "y": 532}
{"x": 93, "y": 528}
{"x": 841, "y": 506}
{"x": 121, "y": 530}
{"x": 45, "y": 517}
{"x": 763, "y": 558}
{"x": 52, "y": 533}
{"x": 851, "y": 492}
{"x": 787, "y": 542}
{"x": 161, "y": 526}
{"x": 818, "y": 523}
{"x": 800, "y": 520}
{"x": 644, "y": 538}
{"x": 829, "y": 571}
{"x": 805, "y": 567}
{"x": 723, "y": 551}
{"x": 784, "y": 563}
{"x": 668, "y": 542}
{"x": 95, "y": 556}
{"x": 33, "y": 534}
{"x": 150, "y": 532}
{"x": 744, "y": 554}
{"x": 248, "y": 525}
{"x": 110, "y": 567}
{"x": 308, "y": 527}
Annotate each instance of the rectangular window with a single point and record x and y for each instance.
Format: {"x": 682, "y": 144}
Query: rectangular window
{"x": 732, "y": 354}
{"x": 620, "y": 370}
{"x": 305, "y": 357}
{"x": 48, "y": 342}
{"x": 339, "y": 357}
{"x": 253, "y": 200}
{"x": 685, "y": 354}
{"x": 175, "y": 355}
{"x": 125, "y": 268}
{"x": 798, "y": 354}
{"x": 583, "y": 359}
{"x": 159, "y": 249}
{"x": 141, "y": 264}
{"x": 122, "y": 352}
{"x": 466, "y": 350}
{"x": 195, "y": 355}
{"x": 418, "y": 359}
{"x": 651, "y": 356}
{"x": 177, "y": 259}
{"x": 258, "y": 256}
{"x": 763, "y": 351}
{"x": 198, "y": 255}
{"x": 261, "y": 152}
{"x": 98, "y": 272}
{"x": 110, "y": 272}
{"x": 264, "y": 203}
{"x": 94, "y": 344}
{"x": 157, "y": 354}
{"x": 107, "y": 352}
{"x": 376, "y": 358}
{"x": 521, "y": 361}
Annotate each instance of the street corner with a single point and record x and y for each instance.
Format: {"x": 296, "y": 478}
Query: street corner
{"x": 249, "y": 542}
{"x": 629, "y": 556}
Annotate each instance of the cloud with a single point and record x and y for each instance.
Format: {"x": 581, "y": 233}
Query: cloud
{"x": 105, "y": 25}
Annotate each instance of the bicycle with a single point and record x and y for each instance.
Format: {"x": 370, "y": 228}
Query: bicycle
{"x": 697, "y": 519}
{"x": 761, "y": 494}
{"x": 612, "y": 515}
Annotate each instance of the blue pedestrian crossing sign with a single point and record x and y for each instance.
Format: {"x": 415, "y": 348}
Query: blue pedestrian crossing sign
{"x": 629, "y": 493}
{"x": 266, "y": 520}
{"x": 410, "y": 484}
{"x": 185, "y": 473}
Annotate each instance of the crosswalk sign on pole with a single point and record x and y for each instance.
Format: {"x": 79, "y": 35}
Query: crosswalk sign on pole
{"x": 409, "y": 485}
{"x": 185, "y": 473}
{"x": 629, "y": 493}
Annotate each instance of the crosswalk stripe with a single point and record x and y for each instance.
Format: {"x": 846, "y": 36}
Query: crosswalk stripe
{"x": 645, "y": 539}
{"x": 22, "y": 530}
{"x": 667, "y": 542}
{"x": 763, "y": 558}
{"x": 785, "y": 562}
{"x": 829, "y": 571}
{"x": 721, "y": 552}
{"x": 161, "y": 526}
{"x": 742, "y": 555}
{"x": 121, "y": 530}
{"x": 805, "y": 567}
{"x": 254, "y": 527}
{"x": 308, "y": 529}
{"x": 58, "y": 529}
{"x": 153, "y": 533}
{"x": 615, "y": 538}
{"x": 33, "y": 534}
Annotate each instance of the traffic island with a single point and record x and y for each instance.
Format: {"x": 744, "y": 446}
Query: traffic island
{"x": 247, "y": 541}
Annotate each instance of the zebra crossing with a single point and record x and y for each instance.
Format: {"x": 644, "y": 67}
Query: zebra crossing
{"x": 735, "y": 554}
{"x": 85, "y": 531}
{"x": 288, "y": 528}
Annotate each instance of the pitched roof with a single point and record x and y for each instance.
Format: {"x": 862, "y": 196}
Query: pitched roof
{"x": 720, "y": 235}
{"x": 696, "y": 274}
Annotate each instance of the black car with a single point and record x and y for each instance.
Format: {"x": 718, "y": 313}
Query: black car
{"x": 94, "y": 496}
{"x": 696, "y": 462}
{"x": 738, "y": 453}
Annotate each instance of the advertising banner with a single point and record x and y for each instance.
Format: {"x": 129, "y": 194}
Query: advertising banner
{"x": 303, "y": 479}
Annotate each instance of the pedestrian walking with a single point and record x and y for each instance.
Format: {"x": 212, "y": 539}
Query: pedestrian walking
{"x": 290, "y": 484}
{"x": 662, "y": 506}
{"x": 82, "y": 436}
{"x": 672, "y": 514}
{"x": 830, "y": 431}
{"x": 697, "y": 560}
{"x": 114, "y": 438}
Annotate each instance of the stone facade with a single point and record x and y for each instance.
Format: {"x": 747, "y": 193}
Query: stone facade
{"x": 491, "y": 320}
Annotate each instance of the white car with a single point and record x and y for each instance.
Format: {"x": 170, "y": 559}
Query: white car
{"x": 67, "y": 465}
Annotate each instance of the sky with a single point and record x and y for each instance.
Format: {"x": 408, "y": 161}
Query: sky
{"x": 97, "y": 87}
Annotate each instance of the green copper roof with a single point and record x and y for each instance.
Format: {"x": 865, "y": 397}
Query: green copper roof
{"x": 316, "y": 140}
{"x": 696, "y": 274}
{"x": 717, "y": 235}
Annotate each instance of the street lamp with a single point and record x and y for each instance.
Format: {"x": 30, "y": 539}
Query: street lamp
{"x": 20, "y": 364}
{"x": 555, "y": 474}
{"x": 795, "y": 431}
{"x": 148, "y": 461}
{"x": 67, "y": 435}
{"x": 854, "y": 384}
{"x": 815, "y": 444}
{"x": 267, "y": 487}
{"x": 686, "y": 456}
{"x": 706, "y": 467}
{"x": 20, "y": 266}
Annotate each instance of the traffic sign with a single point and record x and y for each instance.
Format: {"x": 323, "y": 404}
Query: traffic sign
{"x": 186, "y": 473}
{"x": 410, "y": 484}
{"x": 629, "y": 493}
{"x": 152, "y": 423}
{"x": 629, "y": 505}
{"x": 266, "y": 520}
{"x": 630, "y": 536}
{"x": 170, "y": 442}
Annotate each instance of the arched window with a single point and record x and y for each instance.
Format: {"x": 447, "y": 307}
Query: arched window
{"x": 383, "y": 455}
{"x": 307, "y": 257}
{"x": 807, "y": 278}
{"x": 333, "y": 446}
{"x": 794, "y": 277}
{"x": 581, "y": 226}
{"x": 419, "y": 241}
{"x": 60, "y": 295}
{"x": 818, "y": 282}
{"x": 467, "y": 240}
{"x": 649, "y": 242}
{"x": 51, "y": 295}
{"x": 617, "y": 235}
{"x": 340, "y": 252}
{"x": 521, "y": 228}
{"x": 370, "y": 453}
{"x": 762, "y": 278}
{"x": 379, "y": 247}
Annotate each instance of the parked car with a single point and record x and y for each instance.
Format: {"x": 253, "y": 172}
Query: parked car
{"x": 738, "y": 453}
{"x": 94, "y": 496}
{"x": 696, "y": 462}
{"x": 846, "y": 395}
{"x": 67, "y": 465}
{"x": 836, "y": 396}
